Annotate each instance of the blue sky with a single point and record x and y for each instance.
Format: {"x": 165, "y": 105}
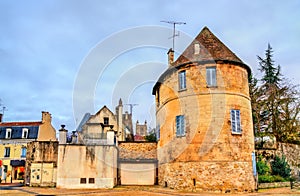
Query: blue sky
{"x": 45, "y": 48}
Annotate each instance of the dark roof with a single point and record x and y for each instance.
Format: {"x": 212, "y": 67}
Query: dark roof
{"x": 211, "y": 49}
{"x": 85, "y": 118}
{"x": 11, "y": 124}
{"x": 16, "y": 131}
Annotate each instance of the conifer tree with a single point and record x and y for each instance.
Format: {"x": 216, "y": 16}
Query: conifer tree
{"x": 275, "y": 103}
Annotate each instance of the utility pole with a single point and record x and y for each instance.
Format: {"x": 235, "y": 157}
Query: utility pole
{"x": 174, "y": 23}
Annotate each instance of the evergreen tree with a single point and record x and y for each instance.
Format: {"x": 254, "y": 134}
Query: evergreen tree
{"x": 275, "y": 103}
{"x": 272, "y": 75}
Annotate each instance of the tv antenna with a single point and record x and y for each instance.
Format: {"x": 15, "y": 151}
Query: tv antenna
{"x": 174, "y": 23}
{"x": 131, "y": 105}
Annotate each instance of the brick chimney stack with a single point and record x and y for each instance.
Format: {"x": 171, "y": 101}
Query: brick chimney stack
{"x": 170, "y": 57}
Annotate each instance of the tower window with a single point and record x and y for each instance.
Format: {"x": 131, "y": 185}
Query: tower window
{"x": 180, "y": 125}
{"x": 157, "y": 132}
{"x": 235, "y": 121}
{"x": 211, "y": 76}
{"x": 182, "y": 80}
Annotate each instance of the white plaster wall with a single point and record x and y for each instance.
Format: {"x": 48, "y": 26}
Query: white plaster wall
{"x": 80, "y": 161}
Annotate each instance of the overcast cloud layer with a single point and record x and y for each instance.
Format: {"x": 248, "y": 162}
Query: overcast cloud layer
{"x": 43, "y": 45}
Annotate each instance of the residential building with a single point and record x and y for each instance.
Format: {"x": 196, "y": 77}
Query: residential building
{"x": 14, "y": 137}
{"x": 93, "y": 128}
{"x": 204, "y": 121}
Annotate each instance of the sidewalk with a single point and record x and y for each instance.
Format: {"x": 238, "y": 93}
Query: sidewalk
{"x": 130, "y": 191}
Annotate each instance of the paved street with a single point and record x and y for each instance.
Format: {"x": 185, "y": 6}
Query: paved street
{"x": 17, "y": 189}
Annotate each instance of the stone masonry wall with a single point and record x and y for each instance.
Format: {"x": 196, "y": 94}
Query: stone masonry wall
{"x": 290, "y": 151}
{"x": 220, "y": 177}
{"x": 137, "y": 150}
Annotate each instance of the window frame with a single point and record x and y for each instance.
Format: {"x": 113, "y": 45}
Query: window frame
{"x": 83, "y": 181}
{"x": 23, "y": 149}
{"x": 158, "y": 132}
{"x": 182, "y": 80}
{"x": 235, "y": 119}
{"x": 7, "y": 152}
{"x": 211, "y": 81}
{"x": 8, "y": 133}
{"x": 25, "y": 130}
{"x": 106, "y": 120}
{"x": 91, "y": 180}
{"x": 197, "y": 48}
{"x": 180, "y": 125}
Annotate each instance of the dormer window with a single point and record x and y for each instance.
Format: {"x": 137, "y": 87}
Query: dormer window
{"x": 24, "y": 133}
{"x": 196, "y": 48}
{"x": 8, "y": 133}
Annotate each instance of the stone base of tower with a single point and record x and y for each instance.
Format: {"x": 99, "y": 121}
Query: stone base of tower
{"x": 222, "y": 177}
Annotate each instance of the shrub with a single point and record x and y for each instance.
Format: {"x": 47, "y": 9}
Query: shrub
{"x": 278, "y": 179}
{"x": 265, "y": 178}
{"x": 151, "y": 137}
{"x": 280, "y": 167}
{"x": 269, "y": 178}
{"x": 262, "y": 167}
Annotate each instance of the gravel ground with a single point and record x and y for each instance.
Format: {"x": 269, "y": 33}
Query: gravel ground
{"x": 128, "y": 191}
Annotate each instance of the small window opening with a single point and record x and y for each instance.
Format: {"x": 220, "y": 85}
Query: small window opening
{"x": 166, "y": 184}
{"x": 106, "y": 120}
{"x": 91, "y": 180}
{"x": 197, "y": 48}
{"x": 82, "y": 180}
{"x": 194, "y": 181}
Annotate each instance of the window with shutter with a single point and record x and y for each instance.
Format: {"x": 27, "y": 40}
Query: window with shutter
{"x": 211, "y": 76}
{"x": 235, "y": 121}
{"x": 180, "y": 126}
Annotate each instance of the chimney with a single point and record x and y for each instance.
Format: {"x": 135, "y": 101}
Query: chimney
{"x": 63, "y": 135}
{"x": 74, "y": 137}
{"x": 46, "y": 117}
{"x": 170, "y": 57}
{"x": 1, "y": 115}
{"x": 110, "y": 136}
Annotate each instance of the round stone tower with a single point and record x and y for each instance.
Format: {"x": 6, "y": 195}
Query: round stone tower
{"x": 204, "y": 120}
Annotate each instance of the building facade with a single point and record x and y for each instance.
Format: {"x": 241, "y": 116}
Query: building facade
{"x": 204, "y": 121}
{"x": 14, "y": 137}
{"x": 93, "y": 128}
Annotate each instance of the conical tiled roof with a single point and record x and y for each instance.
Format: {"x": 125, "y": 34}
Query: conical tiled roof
{"x": 209, "y": 48}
